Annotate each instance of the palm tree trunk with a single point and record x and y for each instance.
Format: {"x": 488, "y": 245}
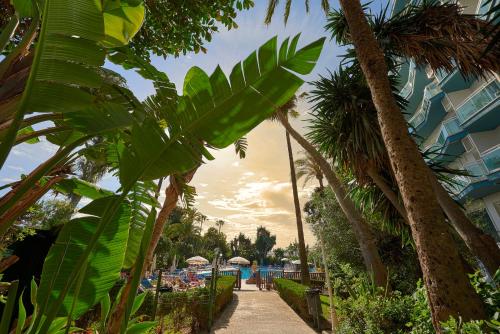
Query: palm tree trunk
{"x": 449, "y": 290}
{"x": 480, "y": 244}
{"x": 388, "y": 192}
{"x": 362, "y": 230}
{"x": 333, "y": 313}
{"x": 304, "y": 266}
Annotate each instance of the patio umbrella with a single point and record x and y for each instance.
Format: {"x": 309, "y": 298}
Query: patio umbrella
{"x": 238, "y": 260}
{"x": 197, "y": 260}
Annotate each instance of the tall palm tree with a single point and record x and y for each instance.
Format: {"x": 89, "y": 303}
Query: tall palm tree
{"x": 288, "y": 110}
{"x": 448, "y": 287}
{"x": 308, "y": 169}
{"x": 345, "y": 127}
{"x": 219, "y": 223}
{"x": 362, "y": 230}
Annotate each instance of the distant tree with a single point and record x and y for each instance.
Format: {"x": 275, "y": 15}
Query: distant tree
{"x": 242, "y": 246}
{"x": 219, "y": 223}
{"x": 277, "y": 255}
{"x": 264, "y": 243}
{"x": 43, "y": 215}
{"x": 213, "y": 240}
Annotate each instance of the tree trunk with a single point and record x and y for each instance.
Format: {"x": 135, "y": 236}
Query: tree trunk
{"x": 362, "y": 230}
{"x": 304, "y": 266}
{"x": 388, "y": 192}
{"x": 169, "y": 204}
{"x": 172, "y": 194}
{"x": 333, "y": 313}
{"x": 449, "y": 290}
{"x": 116, "y": 317}
{"x": 480, "y": 244}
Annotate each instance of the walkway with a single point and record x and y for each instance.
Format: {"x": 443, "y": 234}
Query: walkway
{"x": 253, "y": 311}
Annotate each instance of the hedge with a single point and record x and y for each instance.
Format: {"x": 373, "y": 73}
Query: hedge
{"x": 294, "y": 294}
{"x": 189, "y": 309}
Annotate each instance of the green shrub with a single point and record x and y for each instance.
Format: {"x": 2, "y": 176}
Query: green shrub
{"x": 190, "y": 309}
{"x": 294, "y": 294}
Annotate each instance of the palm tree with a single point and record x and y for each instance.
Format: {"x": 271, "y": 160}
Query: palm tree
{"x": 219, "y": 223}
{"x": 363, "y": 232}
{"x": 448, "y": 287}
{"x": 308, "y": 169}
{"x": 432, "y": 33}
{"x": 288, "y": 109}
{"x": 345, "y": 127}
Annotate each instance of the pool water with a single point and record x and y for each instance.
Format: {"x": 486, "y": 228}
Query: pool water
{"x": 246, "y": 272}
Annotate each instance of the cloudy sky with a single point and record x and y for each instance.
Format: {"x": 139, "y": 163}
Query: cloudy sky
{"x": 249, "y": 192}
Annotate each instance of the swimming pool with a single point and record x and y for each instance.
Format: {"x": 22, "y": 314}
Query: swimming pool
{"x": 246, "y": 272}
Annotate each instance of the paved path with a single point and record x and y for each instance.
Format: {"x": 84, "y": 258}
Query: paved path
{"x": 259, "y": 312}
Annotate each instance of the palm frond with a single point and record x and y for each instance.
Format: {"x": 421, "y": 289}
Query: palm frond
{"x": 432, "y": 33}
{"x": 240, "y": 147}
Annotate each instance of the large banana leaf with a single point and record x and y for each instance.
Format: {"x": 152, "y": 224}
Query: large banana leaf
{"x": 102, "y": 267}
{"x": 141, "y": 200}
{"x": 216, "y": 111}
{"x": 151, "y": 152}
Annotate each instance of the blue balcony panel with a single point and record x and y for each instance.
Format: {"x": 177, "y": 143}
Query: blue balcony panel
{"x": 398, "y": 5}
{"x": 480, "y": 189}
{"x": 453, "y": 81}
{"x": 403, "y": 74}
{"x": 433, "y": 117}
{"x": 415, "y": 98}
{"x": 452, "y": 148}
{"x": 486, "y": 118}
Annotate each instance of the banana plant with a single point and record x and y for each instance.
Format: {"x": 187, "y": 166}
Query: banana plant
{"x": 69, "y": 52}
{"x": 214, "y": 111}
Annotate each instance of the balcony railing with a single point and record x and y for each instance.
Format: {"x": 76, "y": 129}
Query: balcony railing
{"x": 448, "y": 128}
{"x": 478, "y": 101}
{"x": 491, "y": 159}
{"x": 430, "y": 91}
{"x": 408, "y": 88}
{"x": 478, "y": 170}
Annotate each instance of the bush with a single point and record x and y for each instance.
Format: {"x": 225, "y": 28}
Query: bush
{"x": 294, "y": 294}
{"x": 190, "y": 309}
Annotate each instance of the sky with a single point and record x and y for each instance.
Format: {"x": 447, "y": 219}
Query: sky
{"x": 245, "y": 193}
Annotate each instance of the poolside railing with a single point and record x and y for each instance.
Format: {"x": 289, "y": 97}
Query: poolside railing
{"x": 236, "y": 273}
{"x": 264, "y": 279}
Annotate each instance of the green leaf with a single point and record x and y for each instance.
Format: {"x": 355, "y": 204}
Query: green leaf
{"x": 139, "y": 197}
{"x": 81, "y": 188}
{"x": 25, "y": 131}
{"x": 105, "y": 307}
{"x": 141, "y": 327}
{"x": 103, "y": 264}
{"x": 21, "y": 315}
{"x": 24, "y": 7}
{"x": 122, "y": 20}
{"x": 64, "y": 64}
{"x": 139, "y": 299}
{"x": 252, "y": 97}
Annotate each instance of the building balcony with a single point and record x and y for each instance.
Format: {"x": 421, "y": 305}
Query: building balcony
{"x": 452, "y": 81}
{"x": 430, "y": 113}
{"x": 414, "y": 88}
{"x": 448, "y": 145}
{"x": 484, "y": 177}
{"x": 480, "y": 111}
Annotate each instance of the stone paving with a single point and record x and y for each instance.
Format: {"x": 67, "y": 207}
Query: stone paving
{"x": 259, "y": 312}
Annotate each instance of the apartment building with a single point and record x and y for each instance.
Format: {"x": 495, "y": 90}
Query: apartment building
{"x": 456, "y": 121}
